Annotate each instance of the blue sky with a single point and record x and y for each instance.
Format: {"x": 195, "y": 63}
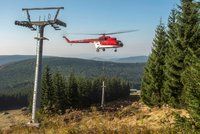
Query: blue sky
{"x": 87, "y": 16}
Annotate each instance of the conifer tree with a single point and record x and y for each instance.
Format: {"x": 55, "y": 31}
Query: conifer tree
{"x": 188, "y": 25}
{"x": 47, "y": 90}
{"x": 173, "y": 64}
{"x": 95, "y": 95}
{"x": 152, "y": 82}
{"x": 59, "y": 94}
{"x": 124, "y": 89}
{"x": 72, "y": 91}
{"x": 191, "y": 80}
{"x": 191, "y": 75}
{"x": 84, "y": 88}
{"x": 183, "y": 35}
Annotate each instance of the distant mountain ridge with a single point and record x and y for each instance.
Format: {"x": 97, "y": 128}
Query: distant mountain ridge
{"x": 6, "y": 59}
{"x": 99, "y": 59}
{"x": 132, "y": 59}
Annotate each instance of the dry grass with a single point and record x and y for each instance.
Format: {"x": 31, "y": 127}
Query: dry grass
{"x": 14, "y": 117}
{"x": 117, "y": 117}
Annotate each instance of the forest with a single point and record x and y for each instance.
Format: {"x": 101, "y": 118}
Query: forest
{"x": 21, "y": 74}
{"x": 172, "y": 73}
{"x": 16, "y": 79}
{"x": 59, "y": 94}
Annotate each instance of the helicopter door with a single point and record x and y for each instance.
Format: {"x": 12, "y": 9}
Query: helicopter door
{"x": 97, "y": 44}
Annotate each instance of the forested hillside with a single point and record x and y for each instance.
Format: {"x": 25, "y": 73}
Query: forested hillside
{"x": 6, "y": 59}
{"x": 21, "y": 74}
{"x": 16, "y": 79}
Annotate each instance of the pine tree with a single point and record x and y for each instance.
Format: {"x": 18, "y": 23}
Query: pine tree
{"x": 95, "y": 95}
{"x": 188, "y": 25}
{"x": 173, "y": 64}
{"x": 124, "y": 89}
{"x": 84, "y": 88}
{"x": 191, "y": 75}
{"x": 191, "y": 80}
{"x": 59, "y": 94}
{"x": 152, "y": 82}
{"x": 72, "y": 91}
{"x": 47, "y": 90}
{"x": 183, "y": 35}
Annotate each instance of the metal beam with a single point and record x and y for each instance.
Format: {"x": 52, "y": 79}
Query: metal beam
{"x": 28, "y": 16}
{"x": 103, "y": 95}
{"x": 40, "y": 23}
{"x": 44, "y": 8}
{"x": 38, "y": 75}
{"x": 25, "y": 24}
{"x": 60, "y": 23}
{"x": 56, "y": 14}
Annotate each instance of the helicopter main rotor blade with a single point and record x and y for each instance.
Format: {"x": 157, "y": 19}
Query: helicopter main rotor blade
{"x": 120, "y": 32}
{"x": 81, "y": 34}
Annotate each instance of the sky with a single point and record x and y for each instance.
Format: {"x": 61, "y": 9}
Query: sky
{"x": 85, "y": 16}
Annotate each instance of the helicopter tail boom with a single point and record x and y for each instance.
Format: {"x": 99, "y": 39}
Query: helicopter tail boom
{"x": 67, "y": 39}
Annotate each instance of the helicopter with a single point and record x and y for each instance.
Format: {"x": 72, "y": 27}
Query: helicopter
{"x": 103, "y": 42}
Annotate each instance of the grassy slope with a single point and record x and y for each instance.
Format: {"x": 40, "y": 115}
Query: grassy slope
{"x": 124, "y": 116}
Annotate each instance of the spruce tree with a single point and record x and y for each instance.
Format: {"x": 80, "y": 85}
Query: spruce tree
{"x": 152, "y": 82}
{"x": 173, "y": 64}
{"x": 191, "y": 75}
{"x": 72, "y": 91}
{"x": 184, "y": 37}
{"x": 47, "y": 90}
{"x": 84, "y": 88}
{"x": 59, "y": 94}
{"x": 191, "y": 80}
{"x": 188, "y": 25}
{"x": 95, "y": 95}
